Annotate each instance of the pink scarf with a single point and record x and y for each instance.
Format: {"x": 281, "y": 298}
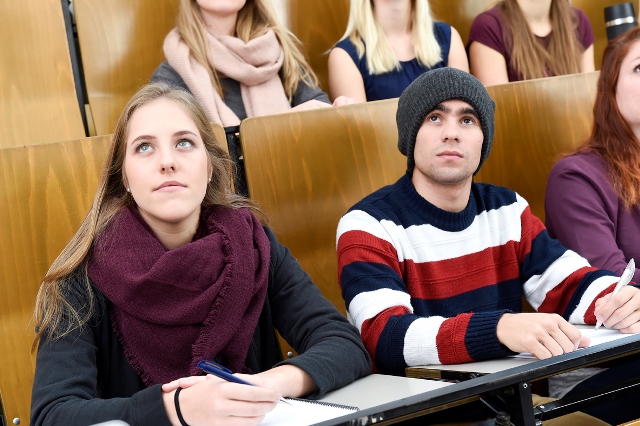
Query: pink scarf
{"x": 173, "y": 308}
{"x": 255, "y": 65}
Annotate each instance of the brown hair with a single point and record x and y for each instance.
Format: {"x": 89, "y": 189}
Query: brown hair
{"x": 611, "y": 137}
{"x": 528, "y": 55}
{"x": 54, "y": 315}
{"x": 254, "y": 19}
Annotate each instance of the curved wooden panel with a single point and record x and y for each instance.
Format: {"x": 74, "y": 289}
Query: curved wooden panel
{"x": 306, "y": 169}
{"x": 121, "y": 45}
{"x": 594, "y": 9}
{"x": 318, "y": 24}
{"x": 221, "y": 136}
{"x": 45, "y": 192}
{"x": 459, "y": 13}
{"x": 536, "y": 122}
{"x": 37, "y": 95}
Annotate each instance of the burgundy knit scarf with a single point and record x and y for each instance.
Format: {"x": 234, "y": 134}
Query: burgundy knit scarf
{"x": 172, "y": 308}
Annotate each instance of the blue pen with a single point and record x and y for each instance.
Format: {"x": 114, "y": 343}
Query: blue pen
{"x": 223, "y": 372}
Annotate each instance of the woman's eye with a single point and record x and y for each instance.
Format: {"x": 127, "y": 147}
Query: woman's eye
{"x": 637, "y": 69}
{"x": 143, "y": 147}
{"x": 184, "y": 143}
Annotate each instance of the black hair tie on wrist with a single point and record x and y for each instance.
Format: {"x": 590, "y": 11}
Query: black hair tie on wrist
{"x": 178, "y": 412}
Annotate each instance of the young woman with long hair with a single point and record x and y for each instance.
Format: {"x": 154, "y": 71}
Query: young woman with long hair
{"x": 238, "y": 61}
{"x": 525, "y": 39}
{"x": 387, "y": 45}
{"x": 592, "y": 202}
{"x": 170, "y": 267}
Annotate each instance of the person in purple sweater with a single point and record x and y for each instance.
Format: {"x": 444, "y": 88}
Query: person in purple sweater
{"x": 592, "y": 202}
{"x": 525, "y": 39}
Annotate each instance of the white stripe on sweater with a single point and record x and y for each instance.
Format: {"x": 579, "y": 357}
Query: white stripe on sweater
{"x": 537, "y": 287}
{"x": 420, "y": 341}
{"x": 597, "y": 286}
{"x": 426, "y": 243}
{"x": 368, "y": 304}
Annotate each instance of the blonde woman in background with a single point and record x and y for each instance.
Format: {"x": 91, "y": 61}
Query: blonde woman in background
{"x": 238, "y": 61}
{"x": 387, "y": 45}
{"x": 525, "y": 39}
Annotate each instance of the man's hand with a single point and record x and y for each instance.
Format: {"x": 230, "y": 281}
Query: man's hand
{"x": 543, "y": 335}
{"x": 620, "y": 312}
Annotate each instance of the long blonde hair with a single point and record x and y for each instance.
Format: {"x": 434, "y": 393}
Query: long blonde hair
{"x": 54, "y": 315}
{"x": 528, "y": 56}
{"x": 363, "y": 27}
{"x": 255, "y": 18}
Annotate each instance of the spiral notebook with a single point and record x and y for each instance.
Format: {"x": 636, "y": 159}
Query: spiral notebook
{"x": 304, "y": 412}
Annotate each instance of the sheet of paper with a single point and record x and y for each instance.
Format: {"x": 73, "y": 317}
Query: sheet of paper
{"x": 304, "y": 413}
{"x": 602, "y": 335}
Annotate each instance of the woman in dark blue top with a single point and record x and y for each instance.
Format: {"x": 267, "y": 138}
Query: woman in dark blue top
{"x": 387, "y": 45}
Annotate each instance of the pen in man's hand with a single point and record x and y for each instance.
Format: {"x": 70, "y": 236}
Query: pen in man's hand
{"x": 223, "y": 372}
{"x": 624, "y": 280}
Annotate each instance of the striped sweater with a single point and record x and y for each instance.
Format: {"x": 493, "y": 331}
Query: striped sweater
{"x": 427, "y": 286}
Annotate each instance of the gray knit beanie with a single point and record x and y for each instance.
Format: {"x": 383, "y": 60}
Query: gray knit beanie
{"x": 434, "y": 87}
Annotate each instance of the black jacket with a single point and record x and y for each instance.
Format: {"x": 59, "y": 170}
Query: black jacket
{"x": 85, "y": 377}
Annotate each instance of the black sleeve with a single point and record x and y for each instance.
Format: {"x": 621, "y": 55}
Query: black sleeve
{"x": 306, "y": 92}
{"x": 65, "y": 387}
{"x": 330, "y": 349}
{"x": 166, "y": 74}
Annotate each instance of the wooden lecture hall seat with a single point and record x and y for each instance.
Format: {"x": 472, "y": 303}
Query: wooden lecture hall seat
{"x": 121, "y": 45}
{"x": 38, "y": 101}
{"x": 46, "y": 191}
{"x": 306, "y": 169}
{"x": 536, "y": 122}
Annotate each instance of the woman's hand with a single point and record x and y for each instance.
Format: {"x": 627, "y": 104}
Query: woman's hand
{"x": 343, "y": 100}
{"x": 210, "y": 400}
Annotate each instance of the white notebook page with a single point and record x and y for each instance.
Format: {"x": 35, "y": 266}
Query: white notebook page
{"x": 304, "y": 412}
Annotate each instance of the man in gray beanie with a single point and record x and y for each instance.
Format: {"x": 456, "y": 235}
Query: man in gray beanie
{"x": 433, "y": 267}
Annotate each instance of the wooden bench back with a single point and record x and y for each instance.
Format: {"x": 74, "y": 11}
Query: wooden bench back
{"x": 38, "y": 101}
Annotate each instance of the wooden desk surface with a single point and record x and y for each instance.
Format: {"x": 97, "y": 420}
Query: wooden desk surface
{"x": 481, "y": 367}
{"x": 435, "y": 371}
{"x": 455, "y": 394}
{"x": 378, "y": 389}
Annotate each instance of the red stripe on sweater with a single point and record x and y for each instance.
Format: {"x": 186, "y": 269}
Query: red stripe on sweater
{"x": 589, "y": 315}
{"x": 452, "y": 277}
{"x": 557, "y": 298}
{"x": 450, "y": 340}
{"x": 372, "y": 328}
{"x": 531, "y": 227}
{"x": 360, "y": 246}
